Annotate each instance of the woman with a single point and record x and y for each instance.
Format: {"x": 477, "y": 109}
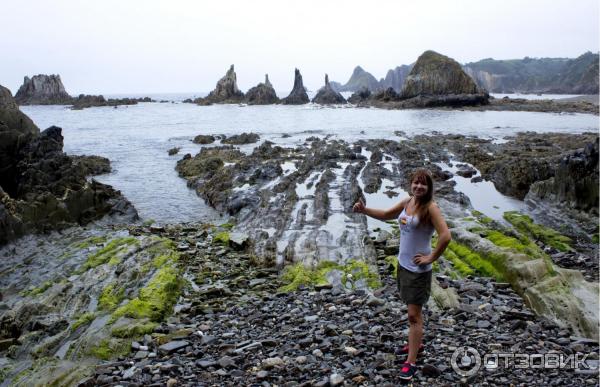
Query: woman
{"x": 418, "y": 217}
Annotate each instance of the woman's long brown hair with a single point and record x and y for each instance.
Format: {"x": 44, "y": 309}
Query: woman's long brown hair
{"x": 423, "y": 176}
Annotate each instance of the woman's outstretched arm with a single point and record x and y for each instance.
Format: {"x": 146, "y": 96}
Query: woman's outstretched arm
{"x": 390, "y": 213}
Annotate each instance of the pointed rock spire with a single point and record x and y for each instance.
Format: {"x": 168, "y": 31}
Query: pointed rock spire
{"x": 298, "y": 94}
{"x": 328, "y": 96}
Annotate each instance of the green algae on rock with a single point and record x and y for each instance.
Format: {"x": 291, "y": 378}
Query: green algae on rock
{"x": 545, "y": 235}
{"x": 109, "y": 253}
{"x": 110, "y": 298}
{"x": 156, "y": 299}
{"x": 351, "y": 273}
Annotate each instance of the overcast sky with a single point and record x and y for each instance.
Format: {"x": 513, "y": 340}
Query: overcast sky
{"x": 129, "y": 46}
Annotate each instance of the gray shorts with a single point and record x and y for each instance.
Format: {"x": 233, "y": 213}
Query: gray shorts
{"x": 414, "y": 288}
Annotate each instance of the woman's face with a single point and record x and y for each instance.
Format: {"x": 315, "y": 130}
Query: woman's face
{"x": 418, "y": 188}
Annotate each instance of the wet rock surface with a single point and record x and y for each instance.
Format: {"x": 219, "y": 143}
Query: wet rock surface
{"x": 298, "y": 94}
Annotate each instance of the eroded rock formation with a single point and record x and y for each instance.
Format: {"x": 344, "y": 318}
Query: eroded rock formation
{"x": 226, "y": 91}
{"x": 41, "y": 188}
{"x": 327, "y": 96}
{"x": 42, "y": 90}
{"x": 262, "y": 94}
{"x": 436, "y": 74}
{"x": 298, "y": 94}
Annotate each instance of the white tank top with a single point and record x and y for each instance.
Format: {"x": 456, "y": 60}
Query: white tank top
{"x": 413, "y": 240}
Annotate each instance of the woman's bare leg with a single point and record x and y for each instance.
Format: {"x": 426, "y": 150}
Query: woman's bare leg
{"x": 415, "y": 331}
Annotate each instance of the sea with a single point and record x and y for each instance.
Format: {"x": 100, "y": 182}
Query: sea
{"x": 137, "y": 138}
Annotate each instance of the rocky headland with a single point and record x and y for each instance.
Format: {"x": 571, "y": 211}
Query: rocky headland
{"x": 538, "y": 75}
{"x": 327, "y": 95}
{"x": 298, "y": 94}
{"x": 43, "y": 189}
{"x": 262, "y": 94}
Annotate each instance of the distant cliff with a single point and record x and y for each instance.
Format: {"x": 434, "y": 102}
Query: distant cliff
{"x": 528, "y": 75}
{"x": 360, "y": 79}
{"x": 395, "y": 78}
{"x": 543, "y": 75}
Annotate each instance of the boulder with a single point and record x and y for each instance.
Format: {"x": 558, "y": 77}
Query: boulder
{"x": 42, "y": 90}
{"x": 226, "y": 91}
{"x": 204, "y": 139}
{"x": 262, "y": 94}
{"x": 298, "y": 94}
{"x": 327, "y": 96}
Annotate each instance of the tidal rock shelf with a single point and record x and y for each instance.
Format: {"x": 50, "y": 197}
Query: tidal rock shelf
{"x": 305, "y": 216}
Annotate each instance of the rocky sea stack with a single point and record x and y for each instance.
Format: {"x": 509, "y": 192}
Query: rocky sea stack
{"x": 328, "y": 96}
{"x": 41, "y": 188}
{"x": 436, "y": 74}
{"x": 226, "y": 91}
{"x": 435, "y": 80}
{"x": 262, "y": 94}
{"x": 42, "y": 90}
{"x": 298, "y": 94}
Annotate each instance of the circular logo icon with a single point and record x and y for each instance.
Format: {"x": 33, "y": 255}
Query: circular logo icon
{"x": 466, "y": 361}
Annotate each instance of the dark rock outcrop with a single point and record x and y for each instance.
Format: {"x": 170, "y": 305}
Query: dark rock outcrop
{"x": 240, "y": 139}
{"x": 226, "y": 91}
{"x": 41, "y": 188}
{"x": 204, "y": 139}
{"x": 42, "y": 90}
{"x": 87, "y": 101}
{"x": 360, "y": 96}
{"x": 327, "y": 96}
{"x": 298, "y": 94}
{"x": 262, "y": 94}
{"x": 436, "y": 74}
{"x": 575, "y": 182}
